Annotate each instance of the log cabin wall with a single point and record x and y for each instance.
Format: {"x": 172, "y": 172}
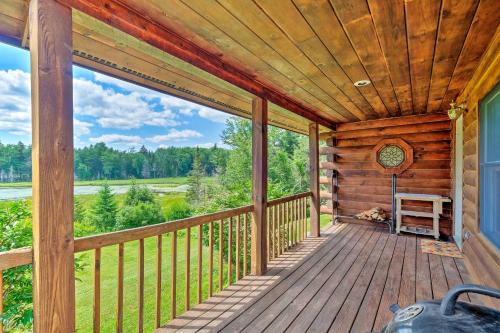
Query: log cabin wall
{"x": 361, "y": 186}
{"x": 482, "y": 258}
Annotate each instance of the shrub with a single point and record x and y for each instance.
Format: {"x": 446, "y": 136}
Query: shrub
{"x": 141, "y": 214}
{"x": 15, "y": 232}
{"x": 178, "y": 210}
{"x": 140, "y": 208}
{"x": 137, "y": 194}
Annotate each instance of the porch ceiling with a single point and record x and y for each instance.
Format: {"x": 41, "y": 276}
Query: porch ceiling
{"x": 418, "y": 54}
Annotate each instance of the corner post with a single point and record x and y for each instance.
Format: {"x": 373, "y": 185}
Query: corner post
{"x": 259, "y": 185}
{"x": 50, "y": 43}
{"x": 314, "y": 180}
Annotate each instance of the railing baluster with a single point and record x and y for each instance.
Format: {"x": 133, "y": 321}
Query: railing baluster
{"x": 210, "y": 258}
{"x": 282, "y": 228}
{"x": 298, "y": 221}
{"x": 119, "y": 293}
{"x": 295, "y": 222}
{"x": 280, "y": 221}
{"x": 221, "y": 253}
{"x": 297, "y": 218}
{"x": 1, "y": 300}
{"x": 159, "y": 250}
{"x": 304, "y": 218}
{"x": 301, "y": 231}
{"x": 292, "y": 222}
{"x": 97, "y": 290}
{"x": 200, "y": 266}
{"x": 238, "y": 221}
{"x": 173, "y": 281}
{"x": 287, "y": 225}
{"x": 230, "y": 252}
{"x": 187, "y": 291}
{"x": 275, "y": 250}
{"x": 140, "y": 310}
{"x": 308, "y": 223}
{"x": 245, "y": 244}
{"x": 268, "y": 232}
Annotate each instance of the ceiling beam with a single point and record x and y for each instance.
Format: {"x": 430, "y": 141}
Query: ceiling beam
{"x": 135, "y": 24}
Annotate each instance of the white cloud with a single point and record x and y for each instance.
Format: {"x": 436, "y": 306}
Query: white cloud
{"x": 132, "y": 107}
{"x": 118, "y": 110}
{"x": 81, "y": 127}
{"x": 213, "y": 115}
{"x": 15, "y": 102}
{"x": 175, "y": 135}
{"x": 117, "y": 139}
{"x": 186, "y": 111}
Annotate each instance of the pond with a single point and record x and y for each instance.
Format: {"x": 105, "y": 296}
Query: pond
{"x": 16, "y": 193}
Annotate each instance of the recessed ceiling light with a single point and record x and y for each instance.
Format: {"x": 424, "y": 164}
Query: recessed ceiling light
{"x": 362, "y": 83}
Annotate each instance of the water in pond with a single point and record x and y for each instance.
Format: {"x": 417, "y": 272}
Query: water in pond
{"x": 15, "y": 193}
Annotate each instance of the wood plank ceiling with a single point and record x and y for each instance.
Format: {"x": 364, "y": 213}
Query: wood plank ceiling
{"x": 418, "y": 54}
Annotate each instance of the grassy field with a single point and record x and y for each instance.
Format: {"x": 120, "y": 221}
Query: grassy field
{"x": 170, "y": 182}
{"x": 84, "y": 284}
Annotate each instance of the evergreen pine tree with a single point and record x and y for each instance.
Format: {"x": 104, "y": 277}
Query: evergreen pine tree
{"x": 195, "y": 191}
{"x": 78, "y": 211}
{"x": 104, "y": 211}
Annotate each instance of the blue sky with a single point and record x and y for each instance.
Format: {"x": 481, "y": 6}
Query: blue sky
{"x": 107, "y": 110}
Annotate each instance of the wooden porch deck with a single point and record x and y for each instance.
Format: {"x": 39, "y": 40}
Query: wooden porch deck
{"x": 343, "y": 281}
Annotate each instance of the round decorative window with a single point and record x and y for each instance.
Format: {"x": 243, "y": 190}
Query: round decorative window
{"x": 391, "y": 156}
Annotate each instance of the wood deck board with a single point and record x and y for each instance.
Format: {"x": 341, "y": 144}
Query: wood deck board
{"x": 329, "y": 312}
{"x": 344, "y": 281}
{"x": 333, "y": 272}
{"x": 392, "y": 283}
{"x": 263, "y": 303}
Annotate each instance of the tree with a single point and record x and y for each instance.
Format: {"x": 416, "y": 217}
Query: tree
{"x": 195, "y": 191}
{"x": 100, "y": 161}
{"x": 140, "y": 208}
{"x": 78, "y": 211}
{"x": 103, "y": 214}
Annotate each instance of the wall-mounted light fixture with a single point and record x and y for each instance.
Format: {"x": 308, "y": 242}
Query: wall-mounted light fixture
{"x": 455, "y": 110}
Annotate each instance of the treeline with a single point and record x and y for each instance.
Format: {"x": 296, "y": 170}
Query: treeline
{"x": 15, "y": 162}
{"x": 102, "y": 162}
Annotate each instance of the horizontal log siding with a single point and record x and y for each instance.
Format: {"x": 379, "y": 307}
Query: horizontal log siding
{"x": 481, "y": 257}
{"x": 362, "y": 187}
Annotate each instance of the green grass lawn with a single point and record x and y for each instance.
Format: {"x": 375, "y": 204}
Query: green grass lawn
{"x": 163, "y": 182}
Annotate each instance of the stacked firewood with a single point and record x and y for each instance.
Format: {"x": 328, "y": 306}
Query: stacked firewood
{"x": 376, "y": 214}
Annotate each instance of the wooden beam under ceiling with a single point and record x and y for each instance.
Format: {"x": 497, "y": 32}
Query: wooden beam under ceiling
{"x": 135, "y": 24}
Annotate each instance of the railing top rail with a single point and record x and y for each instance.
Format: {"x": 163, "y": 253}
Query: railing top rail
{"x": 288, "y": 198}
{"x": 113, "y": 238}
{"x": 16, "y": 257}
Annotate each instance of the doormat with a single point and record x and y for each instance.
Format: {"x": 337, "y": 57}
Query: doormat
{"x": 447, "y": 249}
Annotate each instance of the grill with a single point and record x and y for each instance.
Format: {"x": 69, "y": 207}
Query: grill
{"x": 447, "y": 315}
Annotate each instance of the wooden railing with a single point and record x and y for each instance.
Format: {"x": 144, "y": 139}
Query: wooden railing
{"x": 226, "y": 221}
{"x": 287, "y": 225}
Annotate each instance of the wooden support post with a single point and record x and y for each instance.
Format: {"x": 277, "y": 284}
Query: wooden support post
{"x": 52, "y": 123}
{"x": 259, "y": 185}
{"x": 314, "y": 174}
{"x": 331, "y": 175}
